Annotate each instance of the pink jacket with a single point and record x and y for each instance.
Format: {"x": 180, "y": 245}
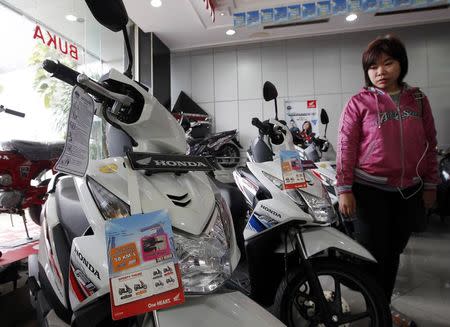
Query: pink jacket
{"x": 382, "y": 144}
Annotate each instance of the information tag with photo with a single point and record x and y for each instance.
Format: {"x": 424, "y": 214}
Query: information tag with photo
{"x": 143, "y": 268}
{"x": 292, "y": 170}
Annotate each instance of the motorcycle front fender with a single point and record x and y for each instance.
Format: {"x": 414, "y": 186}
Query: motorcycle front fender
{"x": 320, "y": 239}
{"x": 219, "y": 310}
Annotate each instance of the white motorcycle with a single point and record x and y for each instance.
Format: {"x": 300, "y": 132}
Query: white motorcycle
{"x": 68, "y": 279}
{"x": 311, "y": 273}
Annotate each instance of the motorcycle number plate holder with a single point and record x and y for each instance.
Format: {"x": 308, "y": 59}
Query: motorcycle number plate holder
{"x": 74, "y": 159}
{"x": 157, "y": 163}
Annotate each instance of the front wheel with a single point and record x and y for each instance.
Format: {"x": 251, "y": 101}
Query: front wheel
{"x": 353, "y": 297}
{"x": 228, "y": 155}
{"x": 35, "y": 213}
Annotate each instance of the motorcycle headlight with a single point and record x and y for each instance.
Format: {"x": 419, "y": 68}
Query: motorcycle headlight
{"x": 205, "y": 260}
{"x": 320, "y": 208}
{"x": 110, "y": 206}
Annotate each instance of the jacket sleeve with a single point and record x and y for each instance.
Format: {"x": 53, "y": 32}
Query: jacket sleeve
{"x": 431, "y": 177}
{"x": 348, "y": 144}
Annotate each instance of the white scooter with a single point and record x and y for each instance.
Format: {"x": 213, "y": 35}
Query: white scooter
{"x": 68, "y": 279}
{"x": 312, "y": 274}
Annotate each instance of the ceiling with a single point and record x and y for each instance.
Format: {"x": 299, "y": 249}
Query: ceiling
{"x": 186, "y": 24}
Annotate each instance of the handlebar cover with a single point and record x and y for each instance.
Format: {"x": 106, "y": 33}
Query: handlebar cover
{"x": 264, "y": 128}
{"x": 61, "y": 71}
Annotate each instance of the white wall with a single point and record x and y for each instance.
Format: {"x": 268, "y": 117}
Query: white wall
{"x": 227, "y": 82}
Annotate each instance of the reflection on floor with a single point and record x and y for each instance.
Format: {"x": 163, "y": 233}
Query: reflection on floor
{"x": 423, "y": 283}
{"x": 422, "y": 289}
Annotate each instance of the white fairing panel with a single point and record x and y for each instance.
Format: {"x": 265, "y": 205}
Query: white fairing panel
{"x": 156, "y": 129}
{"x": 47, "y": 256}
{"x": 218, "y": 310}
{"x": 319, "y": 239}
{"x": 154, "y": 194}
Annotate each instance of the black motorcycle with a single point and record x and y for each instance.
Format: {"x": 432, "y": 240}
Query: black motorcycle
{"x": 223, "y": 147}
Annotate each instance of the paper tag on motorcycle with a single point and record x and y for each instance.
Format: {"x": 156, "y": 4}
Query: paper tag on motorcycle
{"x": 292, "y": 170}
{"x": 144, "y": 274}
{"x": 75, "y": 157}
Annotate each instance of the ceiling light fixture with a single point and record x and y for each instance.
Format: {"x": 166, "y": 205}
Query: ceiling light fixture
{"x": 71, "y": 18}
{"x": 351, "y": 17}
{"x": 222, "y": 14}
{"x": 156, "y": 3}
{"x": 230, "y": 32}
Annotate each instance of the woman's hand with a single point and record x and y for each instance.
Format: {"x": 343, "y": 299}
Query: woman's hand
{"x": 429, "y": 198}
{"x": 347, "y": 204}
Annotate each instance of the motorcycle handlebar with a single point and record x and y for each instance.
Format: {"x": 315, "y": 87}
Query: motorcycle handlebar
{"x": 15, "y": 113}
{"x": 61, "y": 71}
{"x": 260, "y": 125}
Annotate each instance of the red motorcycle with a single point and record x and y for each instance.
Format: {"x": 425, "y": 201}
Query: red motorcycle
{"x": 20, "y": 163}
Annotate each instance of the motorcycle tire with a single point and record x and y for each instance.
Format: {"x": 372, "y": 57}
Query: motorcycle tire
{"x": 347, "y": 275}
{"x": 35, "y": 213}
{"x": 228, "y": 155}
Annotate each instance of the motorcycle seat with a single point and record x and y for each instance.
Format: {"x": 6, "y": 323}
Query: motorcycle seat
{"x": 35, "y": 151}
{"x": 68, "y": 207}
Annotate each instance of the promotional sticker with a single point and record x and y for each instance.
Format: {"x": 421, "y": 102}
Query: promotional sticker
{"x": 292, "y": 170}
{"x": 144, "y": 273}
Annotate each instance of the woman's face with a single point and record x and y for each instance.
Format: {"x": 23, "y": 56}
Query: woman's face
{"x": 307, "y": 126}
{"x": 384, "y": 73}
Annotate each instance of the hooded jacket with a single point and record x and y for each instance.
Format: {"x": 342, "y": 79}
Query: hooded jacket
{"x": 387, "y": 145}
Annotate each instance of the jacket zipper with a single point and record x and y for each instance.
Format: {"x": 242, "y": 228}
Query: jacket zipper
{"x": 401, "y": 139}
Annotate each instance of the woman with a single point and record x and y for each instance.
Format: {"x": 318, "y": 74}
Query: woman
{"x": 386, "y": 165}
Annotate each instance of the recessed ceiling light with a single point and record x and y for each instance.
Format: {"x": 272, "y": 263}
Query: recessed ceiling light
{"x": 156, "y": 3}
{"x": 352, "y": 17}
{"x": 230, "y": 32}
{"x": 222, "y": 14}
{"x": 71, "y": 18}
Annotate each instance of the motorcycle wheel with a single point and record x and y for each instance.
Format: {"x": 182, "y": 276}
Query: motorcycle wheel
{"x": 35, "y": 213}
{"x": 228, "y": 155}
{"x": 361, "y": 301}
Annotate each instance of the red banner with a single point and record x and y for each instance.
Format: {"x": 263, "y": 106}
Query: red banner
{"x": 211, "y": 6}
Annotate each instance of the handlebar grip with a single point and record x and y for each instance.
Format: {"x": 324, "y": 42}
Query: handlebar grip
{"x": 15, "y": 113}
{"x": 257, "y": 123}
{"x": 61, "y": 71}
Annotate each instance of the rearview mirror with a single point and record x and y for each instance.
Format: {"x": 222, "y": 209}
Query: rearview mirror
{"x": 269, "y": 91}
{"x": 324, "y": 117}
{"x": 111, "y": 14}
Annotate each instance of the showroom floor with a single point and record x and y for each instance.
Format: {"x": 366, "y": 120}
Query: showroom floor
{"x": 422, "y": 290}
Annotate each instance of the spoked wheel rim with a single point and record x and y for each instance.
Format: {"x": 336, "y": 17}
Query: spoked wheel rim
{"x": 345, "y": 311}
{"x": 228, "y": 156}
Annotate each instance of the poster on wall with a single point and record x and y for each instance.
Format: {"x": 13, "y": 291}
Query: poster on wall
{"x": 354, "y": 5}
{"x": 369, "y": 5}
{"x": 302, "y": 117}
{"x": 267, "y": 16}
{"x": 339, "y": 7}
{"x": 144, "y": 273}
{"x": 309, "y": 10}
{"x": 323, "y": 8}
{"x": 280, "y": 14}
{"x": 239, "y": 19}
{"x": 402, "y": 3}
{"x": 294, "y": 12}
{"x": 386, "y": 4}
{"x": 252, "y": 18}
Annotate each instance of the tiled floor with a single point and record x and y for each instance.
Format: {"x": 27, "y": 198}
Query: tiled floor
{"x": 422, "y": 290}
{"x": 423, "y": 282}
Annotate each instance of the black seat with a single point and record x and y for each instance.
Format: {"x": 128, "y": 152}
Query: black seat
{"x": 70, "y": 213}
{"x": 35, "y": 151}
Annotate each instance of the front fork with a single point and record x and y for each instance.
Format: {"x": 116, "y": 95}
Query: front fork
{"x": 313, "y": 280}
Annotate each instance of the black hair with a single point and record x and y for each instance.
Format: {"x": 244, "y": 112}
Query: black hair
{"x": 389, "y": 45}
